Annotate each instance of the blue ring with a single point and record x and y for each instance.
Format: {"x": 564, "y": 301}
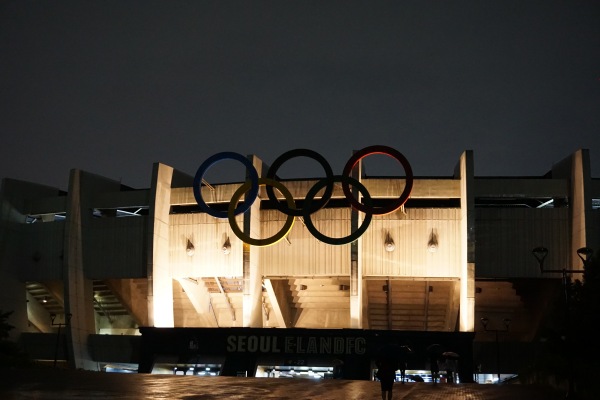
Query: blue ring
{"x": 209, "y": 162}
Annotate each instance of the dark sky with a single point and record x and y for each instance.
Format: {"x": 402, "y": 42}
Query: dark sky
{"x": 111, "y": 87}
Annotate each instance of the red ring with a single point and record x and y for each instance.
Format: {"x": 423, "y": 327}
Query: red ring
{"x": 388, "y": 151}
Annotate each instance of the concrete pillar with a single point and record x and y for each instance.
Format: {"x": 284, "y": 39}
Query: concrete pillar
{"x": 356, "y": 286}
{"x": 79, "y": 303}
{"x": 465, "y": 171}
{"x": 584, "y": 232}
{"x": 160, "y": 285}
{"x": 252, "y": 300}
{"x": 581, "y": 206}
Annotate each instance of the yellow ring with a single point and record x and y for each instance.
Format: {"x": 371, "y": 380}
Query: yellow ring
{"x": 287, "y": 227}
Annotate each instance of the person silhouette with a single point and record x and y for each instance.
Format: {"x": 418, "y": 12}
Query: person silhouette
{"x": 405, "y": 352}
{"x": 434, "y": 352}
{"x": 435, "y": 368}
{"x": 402, "y": 364}
{"x": 386, "y": 373}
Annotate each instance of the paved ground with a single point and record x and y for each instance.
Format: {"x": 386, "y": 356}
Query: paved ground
{"x": 56, "y": 384}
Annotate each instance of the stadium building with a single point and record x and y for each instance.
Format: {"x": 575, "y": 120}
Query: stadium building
{"x": 177, "y": 279}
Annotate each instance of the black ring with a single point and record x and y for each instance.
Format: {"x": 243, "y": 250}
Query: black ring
{"x": 271, "y": 174}
{"x": 315, "y": 189}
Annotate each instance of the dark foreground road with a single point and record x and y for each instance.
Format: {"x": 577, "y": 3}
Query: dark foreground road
{"x": 56, "y": 384}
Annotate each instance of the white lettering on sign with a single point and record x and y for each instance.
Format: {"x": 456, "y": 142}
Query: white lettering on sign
{"x": 296, "y": 344}
{"x": 252, "y": 344}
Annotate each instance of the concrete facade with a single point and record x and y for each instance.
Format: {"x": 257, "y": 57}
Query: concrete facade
{"x": 104, "y": 259}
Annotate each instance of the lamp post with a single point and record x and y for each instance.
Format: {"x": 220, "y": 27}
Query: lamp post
{"x": 585, "y": 254}
{"x": 485, "y": 321}
{"x": 60, "y": 325}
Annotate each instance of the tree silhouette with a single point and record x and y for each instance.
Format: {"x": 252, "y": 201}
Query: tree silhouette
{"x": 567, "y": 342}
{"x": 11, "y": 354}
{"x": 5, "y": 327}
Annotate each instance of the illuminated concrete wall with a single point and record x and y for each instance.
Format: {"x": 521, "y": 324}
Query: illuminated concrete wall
{"x": 169, "y": 267}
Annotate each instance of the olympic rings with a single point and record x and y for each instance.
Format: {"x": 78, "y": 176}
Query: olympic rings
{"x": 310, "y": 206}
{"x": 236, "y": 198}
{"x": 300, "y": 153}
{"x": 209, "y": 162}
{"x": 367, "y": 151}
{"x": 346, "y": 180}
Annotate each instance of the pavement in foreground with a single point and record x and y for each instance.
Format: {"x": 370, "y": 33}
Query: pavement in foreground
{"x": 57, "y": 384}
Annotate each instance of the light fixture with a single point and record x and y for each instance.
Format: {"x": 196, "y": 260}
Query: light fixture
{"x": 189, "y": 248}
{"x": 389, "y": 243}
{"x": 540, "y": 254}
{"x": 226, "y": 246}
{"x": 585, "y": 254}
{"x": 432, "y": 244}
{"x": 484, "y": 322}
{"x": 45, "y": 299}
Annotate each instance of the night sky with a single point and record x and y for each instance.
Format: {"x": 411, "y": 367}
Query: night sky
{"x": 111, "y": 87}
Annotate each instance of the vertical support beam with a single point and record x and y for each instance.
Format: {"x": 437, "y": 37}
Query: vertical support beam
{"x": 160, "y": 285}
{"x": 584, "y": 232}
{"x": 581, "y": 206}
{"x": 467, "y": 228}
{"x": 252, "y": 300}
{"x": 356, "y": 287}
{"x": 78, "y": 289}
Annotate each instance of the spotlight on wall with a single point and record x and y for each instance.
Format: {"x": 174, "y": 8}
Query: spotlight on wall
{"x": 432, "y": 244}
{"x": 226, "y": 249}
{"x": 189, "y": 248}
{"x": 484, "y": 322}
{"x": 389, "y": 243}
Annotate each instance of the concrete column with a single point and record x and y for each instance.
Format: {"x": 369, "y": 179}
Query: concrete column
{"x": 356, "y": 287}
{"x": 79, "y": 296}
{"x": 160, "y": 285}
{"x": 584, "y": 232}
{"x": 252, "y": 300}
{"x": 465, "y": 171}
{"x": 581, "y": 206}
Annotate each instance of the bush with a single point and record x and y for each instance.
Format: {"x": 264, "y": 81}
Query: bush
{"x": 11, "y": 354}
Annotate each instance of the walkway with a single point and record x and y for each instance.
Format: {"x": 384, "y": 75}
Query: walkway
{"x": 55, "y": 384}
